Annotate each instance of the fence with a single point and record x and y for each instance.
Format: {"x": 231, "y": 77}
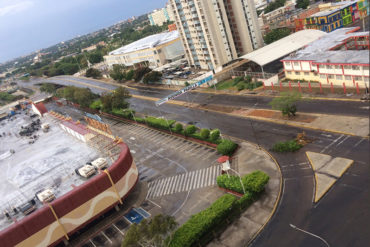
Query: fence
{"x": 315, "y": 88}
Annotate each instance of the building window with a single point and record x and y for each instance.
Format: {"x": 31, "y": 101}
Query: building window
{"x": 331, "y": 76}
{"x": 322, "y": 76}
{"x": 289, "y": 73}
{"x": 328, "y": 66}
{"x": 355, "y": 67}
{"x": 358, "y": 78}
{"x": 348, "y": 78}
{"x": 286, "y": 63}
{"x": 306, "y": 73}
{"x": 347, "y": 67}
{"x": 338, "y": 77}
{"x": 297, "y": 73}
{"x": 296, "y": 63}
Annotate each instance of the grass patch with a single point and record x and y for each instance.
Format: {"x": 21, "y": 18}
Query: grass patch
{"x": 288, "y": 146}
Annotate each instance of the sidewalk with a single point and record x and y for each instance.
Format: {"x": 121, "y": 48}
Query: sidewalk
{"x": 248, "y": 159}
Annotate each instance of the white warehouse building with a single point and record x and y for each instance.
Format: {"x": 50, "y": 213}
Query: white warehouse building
{"x": 152, "y": 51}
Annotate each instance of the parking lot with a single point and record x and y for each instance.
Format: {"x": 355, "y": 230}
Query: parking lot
{"x": 176, "y": 177}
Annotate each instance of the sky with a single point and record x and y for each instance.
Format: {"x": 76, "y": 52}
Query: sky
{"x": 30, "y": 25}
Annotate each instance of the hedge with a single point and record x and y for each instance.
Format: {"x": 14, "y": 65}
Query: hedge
{"x": 226, "y": 147}
{"x": 204, "y": 133}
{"x": 202, "y": 223}
{"x": 253, "y": 183}
{"x": 190, "y": 129}
{"x": 214, "y": 135}
{"x": 159, "y": 123}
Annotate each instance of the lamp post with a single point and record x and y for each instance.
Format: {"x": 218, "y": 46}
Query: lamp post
{"x": 311, "y": 234}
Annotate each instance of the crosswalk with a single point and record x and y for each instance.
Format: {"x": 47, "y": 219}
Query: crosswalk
{"x": 184, "y": 182}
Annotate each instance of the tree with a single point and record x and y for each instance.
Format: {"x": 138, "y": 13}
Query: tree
{"x": 140, "y": 72}
{"x": 276, "y": 34}
{"x": 68, "y": 68}
{"x": 152, "y": 77}
{"x": 48, "y": 87}
{"x": 303, "y": 4}
{"x": 118, "y": 72}
{"x": 274, "y": 5}
{"x": 286, "y": 103}
{"x": 83, "y": 96}
{"x": 95, "y": 57}
{"x": 150, "y": 233}
{"x": 130, "y": 74}
{"x": 120, "y": 95}
{"x": 94, "y": 73}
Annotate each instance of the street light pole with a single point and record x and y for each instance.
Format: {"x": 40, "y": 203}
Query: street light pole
{"x": 311, "y": 234}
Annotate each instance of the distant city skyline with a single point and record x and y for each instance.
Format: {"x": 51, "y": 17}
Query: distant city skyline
{"x": 30, "y": 25}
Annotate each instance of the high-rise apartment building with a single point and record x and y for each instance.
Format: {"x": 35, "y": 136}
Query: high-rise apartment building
{"x": 215, "y": 32}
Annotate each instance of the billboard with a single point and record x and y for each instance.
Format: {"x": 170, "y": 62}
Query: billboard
{"x": 184, "y": 90}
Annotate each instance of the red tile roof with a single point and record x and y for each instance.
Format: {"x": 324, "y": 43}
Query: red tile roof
{"x": 40, "y": 107}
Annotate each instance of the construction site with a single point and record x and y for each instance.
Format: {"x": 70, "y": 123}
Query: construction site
{"x": 58, "y": 174}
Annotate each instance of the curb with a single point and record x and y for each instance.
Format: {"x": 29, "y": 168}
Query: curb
{"x": 314, "y": 169}
{"x": 277, "y": 199}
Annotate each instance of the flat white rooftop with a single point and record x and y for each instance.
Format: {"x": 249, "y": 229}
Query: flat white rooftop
{"x": 49, "y": 162}
{"x": 147, "y": 42}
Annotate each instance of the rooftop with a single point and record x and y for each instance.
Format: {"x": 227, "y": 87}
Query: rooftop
{"x": 320, "y": 52}
{"x": 341, "y": 5}
{"x": 147, "y": 42}
{"x": 284, "y": 46}
{"x": 30, "y": 163}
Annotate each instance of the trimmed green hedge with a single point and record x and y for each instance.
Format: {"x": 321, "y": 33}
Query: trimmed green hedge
{"x": 226, "y": 147}
{"x": 253, "y": 183}
{"x": 202, "y": 223}
{"x": 214, "y": 135}
{"x": 159, "y": 123}
{"x": 190, "y": 129}
{"x": 288, "y": 146}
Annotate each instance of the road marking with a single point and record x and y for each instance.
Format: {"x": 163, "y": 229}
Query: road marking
{"x": 343, "y": 141}
{"x": 118, "y": 229}
{"x": 358, "y": 143}
{"x": 110, "y": 241}
{"x": 331, "y": 144}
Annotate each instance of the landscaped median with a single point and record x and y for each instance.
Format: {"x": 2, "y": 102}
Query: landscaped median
{"x": 202, "y": 227}
{"x": 206, "y": 136}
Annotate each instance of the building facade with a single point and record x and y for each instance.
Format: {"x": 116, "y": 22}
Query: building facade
{"x": 215, "y": 32}
{"x": 339, "y": 57}
{"x": 152, "y": 51}
{"x": 160, "y": 16}
{"x": 337, "y": 15}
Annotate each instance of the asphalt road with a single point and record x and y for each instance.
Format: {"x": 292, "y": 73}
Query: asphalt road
{"x": 349, "y": 108}
{"x": 341, "y": 217}
{"x": 345, "y": 207}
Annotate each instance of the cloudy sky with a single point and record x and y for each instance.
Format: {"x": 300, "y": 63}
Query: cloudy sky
{"x": 29, "y": 25}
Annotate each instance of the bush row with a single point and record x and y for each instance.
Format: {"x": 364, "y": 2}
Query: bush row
{"x": 253, "y": 183}
{"x": 202, "y": 227}
{"x": 224, "y": 146}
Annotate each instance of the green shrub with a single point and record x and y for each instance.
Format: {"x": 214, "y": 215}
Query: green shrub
{"x": 140, "y": 120}
{"x": 226, "y": 147}
{"x": 248, "y": 78}
{"x": 255, "y": 182}
{"x": 240, "y": 86}
{"x": 230, "y": 182}
{"x": 178, "y": 128}
{"x": 204, "y": 133}
{"x": 214, "y": 135}
{"x": 190, "y": 129}
{"x": 126, "y": 113}
{"x": 237, "y": 80}
{"x": 246, "y": 200}
{"x": 159, "y": 123}
{"x": 288, "y": 146}
{"x": 96, "y": 105}
{"x": 204, "y": 222}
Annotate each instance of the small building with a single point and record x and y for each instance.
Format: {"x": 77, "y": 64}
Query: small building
{"x": 337, "y": 15}
{"x": 39, "y": 108}
{"x": 152, "y": 51}
{"x": 341, "y": 56}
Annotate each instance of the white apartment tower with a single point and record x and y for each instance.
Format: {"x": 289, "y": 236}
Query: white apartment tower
{"x": 215, "y": 32}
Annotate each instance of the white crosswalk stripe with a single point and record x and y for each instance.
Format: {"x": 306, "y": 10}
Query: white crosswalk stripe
{"x": 184, "y": 182}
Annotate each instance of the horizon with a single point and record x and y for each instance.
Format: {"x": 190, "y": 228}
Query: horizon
{"x": 56, "y": 22}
